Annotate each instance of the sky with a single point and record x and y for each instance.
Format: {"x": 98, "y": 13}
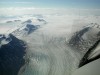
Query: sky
{"x": 51, "y": 3}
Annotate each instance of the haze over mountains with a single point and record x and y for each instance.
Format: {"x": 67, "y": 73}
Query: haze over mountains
{"x": 34, "y": 40}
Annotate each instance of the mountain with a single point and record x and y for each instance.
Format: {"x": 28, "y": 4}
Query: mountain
{"x": 25, "y": 30}
{"x": 12, "y": 50}
{"x": 4, "y": 39}
{"x": 28, "y": 26}
{"x": 11, "y": 56}
{"x": 85, "y": 37}
{"x": 86, "y": 41}
{"x": 14, "y": 58}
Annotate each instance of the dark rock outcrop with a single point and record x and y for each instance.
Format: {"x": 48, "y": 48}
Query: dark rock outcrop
{"x": 11, "y": 56}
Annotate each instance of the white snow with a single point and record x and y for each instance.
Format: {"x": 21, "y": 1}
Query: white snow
{"x": 47, "y": 52}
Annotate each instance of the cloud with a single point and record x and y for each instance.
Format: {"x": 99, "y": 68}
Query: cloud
{"x": 33, "y": 10}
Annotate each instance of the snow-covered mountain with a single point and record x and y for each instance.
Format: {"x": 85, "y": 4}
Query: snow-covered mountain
{"x": 12, "y": 50}
{"x": 86, "y": 37}
{"x": 4, "y": 39}
{"x": 43, "y": 51}
{"x": 25, "y": 30}
{"x": 26, "y": 27}
{"x": 87, "y": 41}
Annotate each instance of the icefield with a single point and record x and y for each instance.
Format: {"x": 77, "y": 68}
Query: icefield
{"x": 48, "y": 41}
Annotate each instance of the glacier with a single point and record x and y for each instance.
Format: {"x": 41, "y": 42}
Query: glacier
{"x": 48, "y": 55}
{"x": 48, "y": 46}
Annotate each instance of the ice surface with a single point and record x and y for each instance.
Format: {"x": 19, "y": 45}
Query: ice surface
{"x": 55, "y": 40}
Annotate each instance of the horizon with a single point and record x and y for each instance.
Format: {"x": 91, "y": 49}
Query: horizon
{"x": 86, "y": 4}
